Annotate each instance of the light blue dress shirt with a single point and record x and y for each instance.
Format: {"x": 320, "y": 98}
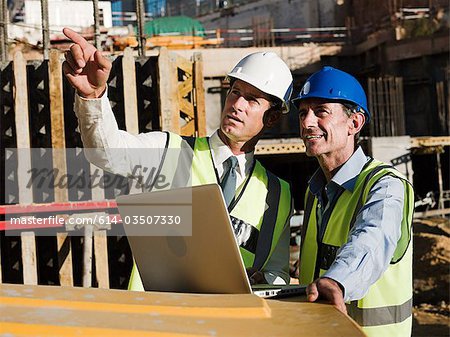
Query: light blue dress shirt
{"x": 366, "y": 255}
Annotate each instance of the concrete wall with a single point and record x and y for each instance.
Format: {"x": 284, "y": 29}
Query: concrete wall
{"x": 292, "y": 13}
{"x": 218, "y": 61}
{"x": 388, "y": 148}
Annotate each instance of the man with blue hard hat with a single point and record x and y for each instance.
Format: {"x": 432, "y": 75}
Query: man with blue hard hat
{"x": 356, "y": 249}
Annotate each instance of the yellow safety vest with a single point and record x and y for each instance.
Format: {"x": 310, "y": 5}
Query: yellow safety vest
{"x": 259, "y": 213}
{"x": 386, "y": 310}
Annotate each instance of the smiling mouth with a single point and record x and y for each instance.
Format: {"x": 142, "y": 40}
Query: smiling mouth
{"x": 309, "y": 137}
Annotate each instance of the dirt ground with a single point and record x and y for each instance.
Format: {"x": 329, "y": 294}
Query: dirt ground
{"x": 431, "y": 277}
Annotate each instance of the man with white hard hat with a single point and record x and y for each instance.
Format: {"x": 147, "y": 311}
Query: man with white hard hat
{"x": 259, "y": 203}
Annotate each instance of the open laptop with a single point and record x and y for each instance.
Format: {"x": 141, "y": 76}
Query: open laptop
{"x": 193, "y": 249}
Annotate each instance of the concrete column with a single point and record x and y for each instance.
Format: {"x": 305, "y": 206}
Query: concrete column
{"x": 389, "y": 148}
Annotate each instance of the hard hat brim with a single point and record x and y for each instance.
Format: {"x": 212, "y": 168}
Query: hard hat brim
{"x": 249, "y": 80}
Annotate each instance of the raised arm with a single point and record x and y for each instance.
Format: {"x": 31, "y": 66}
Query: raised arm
{"x": 106, "y": 146}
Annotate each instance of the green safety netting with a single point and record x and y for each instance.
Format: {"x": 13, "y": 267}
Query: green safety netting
{"x": 174, "y": 25}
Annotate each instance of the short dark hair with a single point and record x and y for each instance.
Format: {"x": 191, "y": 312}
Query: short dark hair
{"x": 349, "y": 109}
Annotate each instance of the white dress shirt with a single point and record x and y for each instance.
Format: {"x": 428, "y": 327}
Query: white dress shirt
{"x": 120, "y": 152}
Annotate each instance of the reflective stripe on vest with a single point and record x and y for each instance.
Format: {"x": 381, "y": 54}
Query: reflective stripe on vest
{"x": 382, "y": 315}
{"x": 388, "y": 301}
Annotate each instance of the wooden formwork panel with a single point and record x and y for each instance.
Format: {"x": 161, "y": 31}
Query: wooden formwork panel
{"x": 182, "y": 98}
{"x": 37, "y": 112}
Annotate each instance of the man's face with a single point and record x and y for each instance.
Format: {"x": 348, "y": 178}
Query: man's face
{"x": 242, "y": 116}
{"x": 325, "y": 128}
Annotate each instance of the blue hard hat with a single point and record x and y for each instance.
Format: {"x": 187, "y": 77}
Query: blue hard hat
{"x": 333, "y": 84}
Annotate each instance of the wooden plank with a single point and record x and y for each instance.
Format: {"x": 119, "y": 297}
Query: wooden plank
{"x": 188, "y": 129}
{"x": 87, "y": 256}
{"x": 57, "y": 121}
{"x": 51, "y": 311}
{"x": 97, "y": 192}
{"x": 59, "y": 156}
{"x": 184, "y": 64}
{"x": 199, "y": 94}
{"x": 169, "y": 110}
{"x": 185, "y": 87}
{"x": 130, "y": 99}
{"x": 29, "y": 258}
{"x": 430, "y": 141}
{"x": 129, "y": 92}
{"x": 22, "y": 128}
{"x": 100, "y": 246}
{"x": 63, "y": 245}
{"x": 187, "y": 107}
{"x": 24, "y": 163}
{"x": 101, "y": 259}
{"x": 286, "y": 148}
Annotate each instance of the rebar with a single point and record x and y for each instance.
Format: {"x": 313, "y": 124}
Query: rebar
{"x": 140, "y": 14}
{"x": 45, "y": 29}
{"x": 4, "y": 52}
{"x": 96, "y": 25}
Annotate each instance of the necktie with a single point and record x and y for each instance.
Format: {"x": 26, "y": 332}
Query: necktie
{"x": 228, "y": 183}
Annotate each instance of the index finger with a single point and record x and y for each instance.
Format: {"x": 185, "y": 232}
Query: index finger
{"x": 75, "y": 37}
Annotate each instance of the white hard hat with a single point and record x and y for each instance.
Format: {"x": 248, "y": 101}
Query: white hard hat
{"x": 267, "y": 72}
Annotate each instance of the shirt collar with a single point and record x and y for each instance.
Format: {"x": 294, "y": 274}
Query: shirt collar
{"x": 346, "y": 176}
{"x": 221, "y": 152}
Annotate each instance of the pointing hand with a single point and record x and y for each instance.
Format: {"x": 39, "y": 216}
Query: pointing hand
{"x": 85, "y": 67}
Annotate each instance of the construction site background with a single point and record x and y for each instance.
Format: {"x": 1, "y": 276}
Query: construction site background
{"x": 399, "y": 51}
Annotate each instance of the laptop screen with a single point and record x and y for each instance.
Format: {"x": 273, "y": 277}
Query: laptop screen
{"x": 198, "y": 254}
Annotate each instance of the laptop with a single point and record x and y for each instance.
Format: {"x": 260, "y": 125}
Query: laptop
{"x": 182, "y": 240}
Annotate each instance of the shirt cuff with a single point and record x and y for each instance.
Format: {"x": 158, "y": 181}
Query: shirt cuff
{"x": 336, "y": 275}
{"x": 86, "y": 108}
